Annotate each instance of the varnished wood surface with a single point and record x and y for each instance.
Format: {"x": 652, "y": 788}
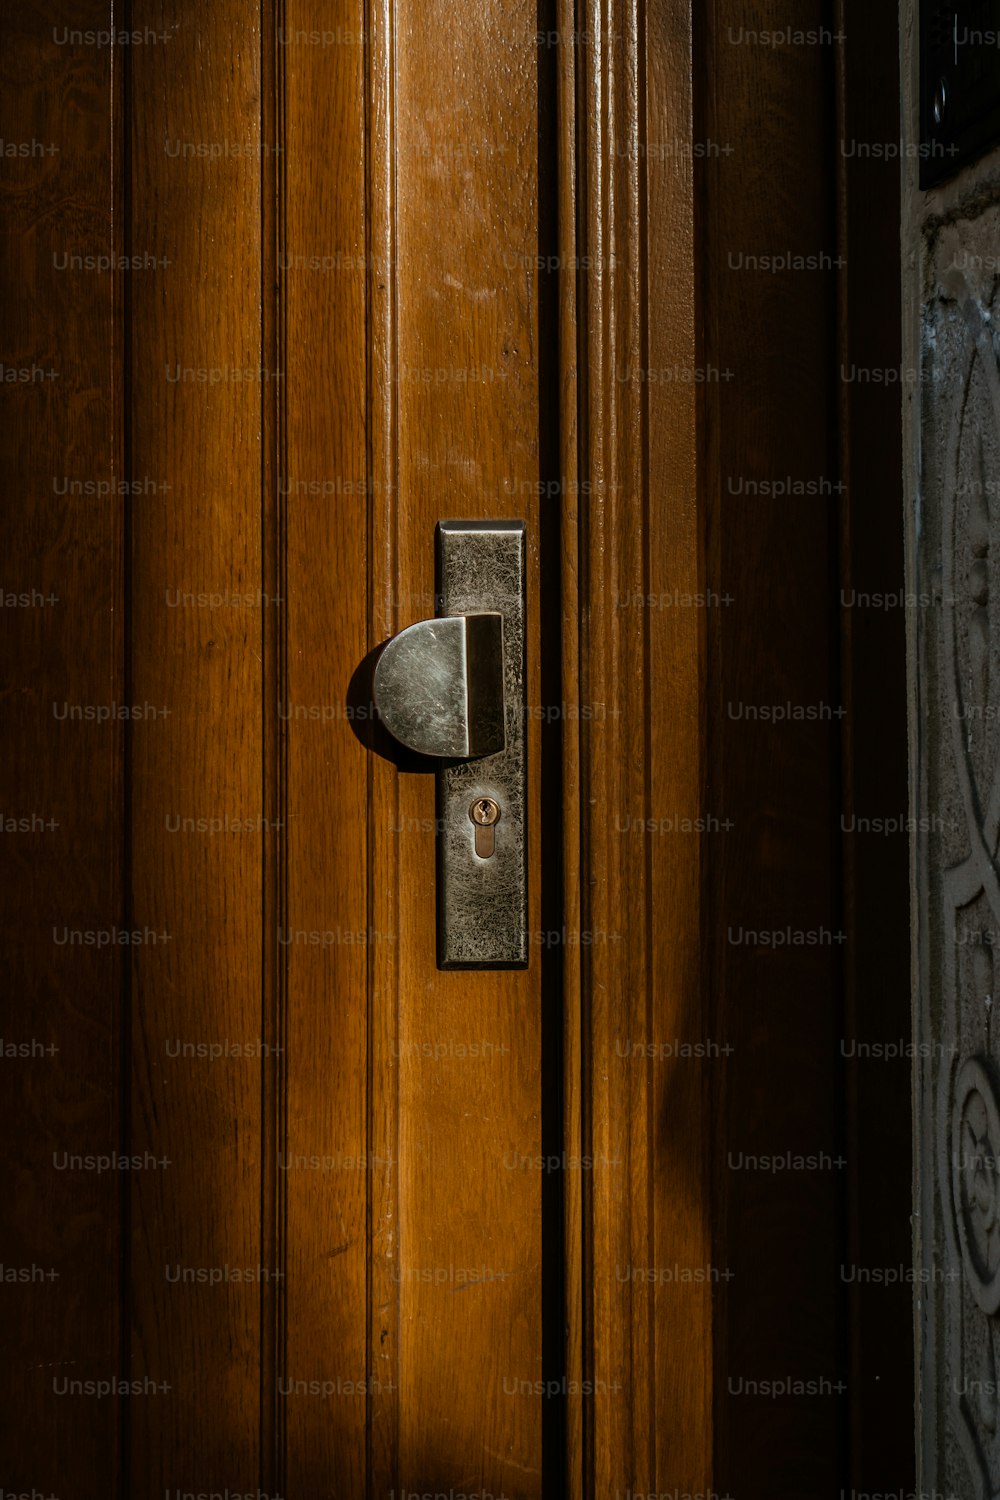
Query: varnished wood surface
{"x": 323, "y": 469}
{"x": 615, "y": 769}
{"x": 61, "y": 911}
{"x": 467, "y": 443}
{"x": 425, "y": 338}
{"x": 383, "y": 869}
{"x": 645, "y": 1211}
{"x": 573, "y": 1304}
{"x": 199, "y": 435}
{"x": 680, "y": 863}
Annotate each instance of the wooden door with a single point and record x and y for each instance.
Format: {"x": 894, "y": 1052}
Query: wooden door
{"x": 292, "y": 1211}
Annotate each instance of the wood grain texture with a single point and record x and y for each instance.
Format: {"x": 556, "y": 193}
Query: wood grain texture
{"x": 468, "y": 399}
{"x": 678, "y": 606}
{"x": 613, "y": 683}
{"x": 646, "y": 1348}
{"x": 61, "y": 750}
{"x": 195, "y": 201}
{"x": 273, "y": 1299}
{"x": 576, "y": 1460}
{"x": 328, "y": 1171}
{"x": 384, "y": 874}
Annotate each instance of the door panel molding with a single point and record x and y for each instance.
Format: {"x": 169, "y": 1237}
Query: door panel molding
{"x": 384, "y": 620}
{"x": 633, "y": 528}
{"x": 274, "y": 683}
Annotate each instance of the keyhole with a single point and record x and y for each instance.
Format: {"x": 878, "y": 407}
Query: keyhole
{"x": 485, "y": 814}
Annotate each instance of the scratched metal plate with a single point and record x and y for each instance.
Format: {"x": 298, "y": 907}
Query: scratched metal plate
{"x": 483, "y": 903}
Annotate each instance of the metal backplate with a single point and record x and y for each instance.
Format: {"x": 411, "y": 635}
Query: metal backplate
{"x": 959, "y": 84}
{"x": 483, "y": 902}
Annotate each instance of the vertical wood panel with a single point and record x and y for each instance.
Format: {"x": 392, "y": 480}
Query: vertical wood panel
{"x": 60, "y": 774}
{"x": 196, "y": 203}
{"x": 573, "y": 874}
{"x": 685, "y": 1076}
{"x": 274, "y": 794}
{"x": 384, "y": 872}
{"x": 327, "y": 1169}
{"x": 641, "y": 1109}
{"x": 614, "y": 685}
{"x": 469, "y": 1126}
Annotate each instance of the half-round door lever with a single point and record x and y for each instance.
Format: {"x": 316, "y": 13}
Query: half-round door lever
{"x": 439, "y": 686}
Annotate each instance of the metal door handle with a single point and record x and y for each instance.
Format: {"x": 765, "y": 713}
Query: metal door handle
{"x": 439, "y": 686}
{"x": 454, "y": 688}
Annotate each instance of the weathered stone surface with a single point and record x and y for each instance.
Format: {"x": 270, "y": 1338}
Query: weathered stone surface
{"x": 951, "y": 375}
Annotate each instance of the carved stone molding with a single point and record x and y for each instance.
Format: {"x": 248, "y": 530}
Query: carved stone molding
{"x": 955, "y": 549}
{"x": 975, "y": 1143}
